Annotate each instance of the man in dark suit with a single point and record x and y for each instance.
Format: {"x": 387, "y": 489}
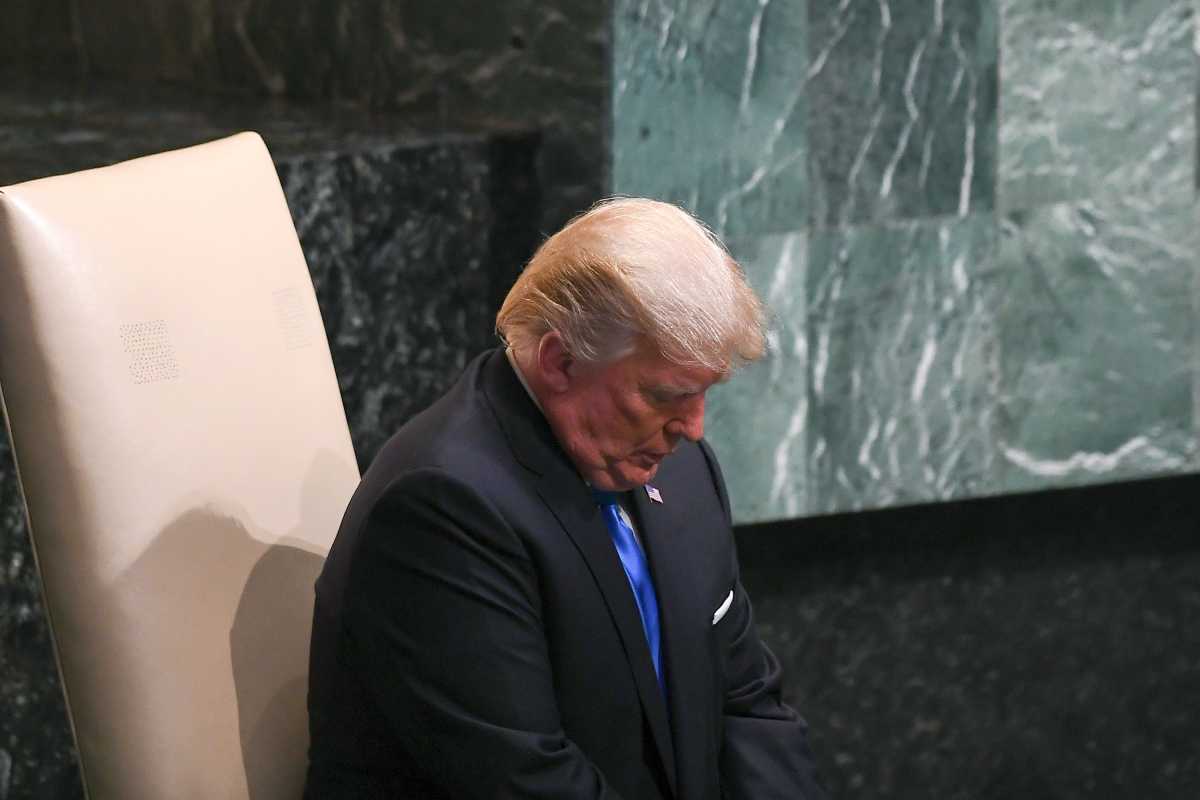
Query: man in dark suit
{"x": 534, "y": 592}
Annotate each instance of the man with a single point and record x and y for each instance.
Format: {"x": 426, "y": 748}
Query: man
{"x": 534, "y": 592}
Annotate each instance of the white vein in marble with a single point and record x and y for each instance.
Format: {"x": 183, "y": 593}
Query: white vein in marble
{"x": 901, "y": 109}
{"x": 758, "y": 421}
{"x": 904, "y": 363}
{"x": 1098, "y": 325}
{"x": 1096, "y": 98}
{"x": 708, "y": 109}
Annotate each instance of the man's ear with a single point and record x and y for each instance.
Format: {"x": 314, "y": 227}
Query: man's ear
{"x": 554, "y": 362}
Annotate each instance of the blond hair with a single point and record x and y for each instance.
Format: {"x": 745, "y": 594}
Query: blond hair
{"x": 631, "y": 270}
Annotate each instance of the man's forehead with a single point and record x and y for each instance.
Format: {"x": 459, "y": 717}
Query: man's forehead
{"x": 656, "y": 371}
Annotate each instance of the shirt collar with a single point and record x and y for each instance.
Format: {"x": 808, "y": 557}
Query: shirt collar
{"x": 512, "y": 360}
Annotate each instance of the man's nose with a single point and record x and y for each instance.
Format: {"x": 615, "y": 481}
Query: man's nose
{"x": 690, "y": 422}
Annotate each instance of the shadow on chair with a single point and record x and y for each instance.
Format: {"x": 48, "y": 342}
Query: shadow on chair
{"x": 184, "y": 459}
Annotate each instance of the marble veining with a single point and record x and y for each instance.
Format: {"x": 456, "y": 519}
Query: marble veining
{"x": 902, "y": 112}
{"x": 1097, "y": 98}
{"x": 1099, "y": 341}
{"x": 1062, "y": 135}
{"x": 709, "y": 109}
{"x": 764, "y": 456}
{"x": 402, "y": 274}
{"x": 903, "y": 363}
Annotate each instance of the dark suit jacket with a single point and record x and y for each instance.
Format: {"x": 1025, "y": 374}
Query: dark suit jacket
{"x": 475, "y": 635}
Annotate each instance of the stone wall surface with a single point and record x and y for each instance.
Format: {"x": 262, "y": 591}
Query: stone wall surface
{"x": 1031, "y": 645}
{"x": 974, "y": 225}
{"x": 973, "y": 221}
{"x": 519, "y": 63}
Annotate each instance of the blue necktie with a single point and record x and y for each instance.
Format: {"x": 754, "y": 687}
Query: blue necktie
{"x": 636, "y": 569}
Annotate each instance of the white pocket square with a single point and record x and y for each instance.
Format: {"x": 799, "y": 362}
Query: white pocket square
{"x": 720, "y": 612}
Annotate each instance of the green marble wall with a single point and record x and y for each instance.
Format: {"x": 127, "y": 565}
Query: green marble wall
{"x": 973, "y": 221}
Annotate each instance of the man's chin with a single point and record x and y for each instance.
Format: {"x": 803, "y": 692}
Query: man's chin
{"x": 626, "y": 476}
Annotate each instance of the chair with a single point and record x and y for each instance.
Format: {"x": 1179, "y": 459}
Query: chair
{"x": 184, "y": 457}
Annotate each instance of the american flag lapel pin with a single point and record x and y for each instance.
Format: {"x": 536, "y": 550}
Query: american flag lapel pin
{"x": 654, "y": 494}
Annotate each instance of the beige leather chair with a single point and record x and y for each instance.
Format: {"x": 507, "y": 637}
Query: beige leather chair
{"x": 185, "y": 461}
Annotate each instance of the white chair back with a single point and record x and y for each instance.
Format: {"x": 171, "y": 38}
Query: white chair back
{"x": 184, "y": 458}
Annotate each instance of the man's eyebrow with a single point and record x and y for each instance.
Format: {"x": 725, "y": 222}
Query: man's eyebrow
{"x": 673, "y": 388}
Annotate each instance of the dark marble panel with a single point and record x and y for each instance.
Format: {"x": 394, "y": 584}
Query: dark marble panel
{"x": 37, "y": 752}
{"x": 902, "y": 108}
{"x": 1038, "y": 646}
{"x": 55, "y": 126}
{"x": 41, "y": 36}
{"x": 412, "y": 240}
{"x": 518, "y": 63}
{"x": 405, "y": 255}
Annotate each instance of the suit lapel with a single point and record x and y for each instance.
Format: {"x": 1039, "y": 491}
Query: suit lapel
{"x": 685, "y": 651}
{"x": 580, "y": 518}
{"x": 571, "y": 503}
